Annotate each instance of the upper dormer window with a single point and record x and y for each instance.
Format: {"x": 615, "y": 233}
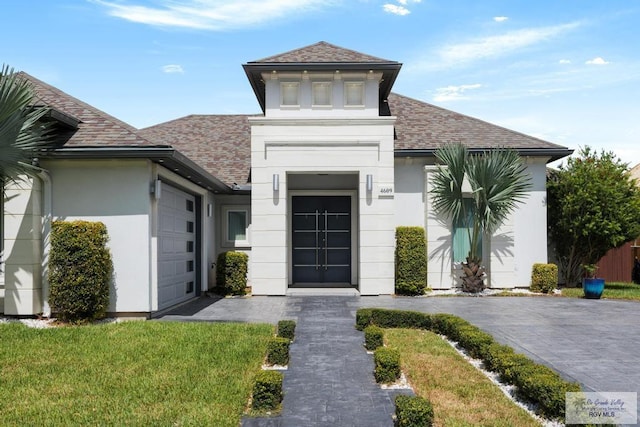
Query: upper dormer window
{"x": 290, "y": 94}
{"x": 321, "y": 94}
{"x": 354, "y": 94}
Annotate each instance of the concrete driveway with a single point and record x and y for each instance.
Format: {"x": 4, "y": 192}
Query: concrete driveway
{"x": 593, "y": 342}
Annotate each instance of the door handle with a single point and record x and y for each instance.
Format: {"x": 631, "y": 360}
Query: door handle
{"x": 317, "y": 238}
{"x": 326, "y": 242}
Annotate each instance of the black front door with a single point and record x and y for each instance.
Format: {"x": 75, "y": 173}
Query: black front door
{"x": 321, "y": 239}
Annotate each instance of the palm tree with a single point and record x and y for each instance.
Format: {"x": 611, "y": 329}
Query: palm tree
{"x": 22, "y": 132}
{"x": 497, "y": 183}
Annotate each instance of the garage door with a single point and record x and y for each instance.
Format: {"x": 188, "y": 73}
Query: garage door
{"x": 176, "y": 247}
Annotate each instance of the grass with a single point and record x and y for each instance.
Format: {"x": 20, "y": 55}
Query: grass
{"x": 131, "y": 373}
{"x": 459, "y": 393}
{"x": 613, "y": 290}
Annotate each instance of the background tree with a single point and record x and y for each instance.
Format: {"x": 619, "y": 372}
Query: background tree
{"x": 593, "y": 205}
{"x": 22, "y": 130}
{"x": 498, "y": 182}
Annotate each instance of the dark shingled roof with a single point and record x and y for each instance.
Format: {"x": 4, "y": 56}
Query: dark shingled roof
{"x": 95, "y": 127}
{"x": 422, "y": 126}
{"x": 221, "y": 145}
{"x": 322, "y": 52}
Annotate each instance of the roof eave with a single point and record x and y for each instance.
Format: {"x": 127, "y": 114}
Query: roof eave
{"x": 552, "y": 153}
{"x": 254, "y": 71}
{"x": 164, "y": 155}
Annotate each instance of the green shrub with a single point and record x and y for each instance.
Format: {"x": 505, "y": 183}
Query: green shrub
{"x": 543, "y": 386}
{"x": 474, "y": 340}
{"x": 231, "y": 272}
{"x": 363, "y": 318}
{"x": 373, "y": 337}
{"x": 267, "y": 391}
{"x": 278, "y": 351}
{"x": 387, "y": 364}
{"x": 80, "y": 270}
{"x": 411, "y": 261}
{"x": 496, "y": 355}
{"x": 447, "y": 324}
{"x": 413, "y": 411}
{"x": 400, "y": 319}
{"x": 544, "y": 278}
{"x": 286, "y": 329}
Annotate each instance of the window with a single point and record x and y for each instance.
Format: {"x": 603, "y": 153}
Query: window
{"x": 462, "y": 231}
{"x": 189, "y": 205}
{"x": 354, "y": 94}
{"x": 290, "y": 94}
{"x": 322, "y": 93}
{"x": 190, "y": 287}
{"x": 236, "y": 226}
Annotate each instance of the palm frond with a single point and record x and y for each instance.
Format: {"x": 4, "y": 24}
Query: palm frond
{"x": 22, "y": 131}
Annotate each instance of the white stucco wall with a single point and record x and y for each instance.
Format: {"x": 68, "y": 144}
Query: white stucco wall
{"x": 220, "y": 243}
{"x": 352, "y": 145}
{"x": 519, "y": 243}
{"x": 117, "y": 193}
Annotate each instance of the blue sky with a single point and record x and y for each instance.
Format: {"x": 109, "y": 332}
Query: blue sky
{"x": 567, "y": 71}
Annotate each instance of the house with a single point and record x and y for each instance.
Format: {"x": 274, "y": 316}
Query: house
{"x": 313, "y": 188}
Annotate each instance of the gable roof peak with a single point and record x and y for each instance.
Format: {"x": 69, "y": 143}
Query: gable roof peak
{"x": 322, "y": 52}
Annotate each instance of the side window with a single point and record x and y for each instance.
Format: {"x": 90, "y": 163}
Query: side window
{"x": 462, "y": 234}
{"x": 236, "y": 226}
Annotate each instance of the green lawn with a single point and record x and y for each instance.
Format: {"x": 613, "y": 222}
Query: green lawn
{"x": 613, "y": 290}
{"x": 460, "y": 394}
{"x": 131, "y": 373}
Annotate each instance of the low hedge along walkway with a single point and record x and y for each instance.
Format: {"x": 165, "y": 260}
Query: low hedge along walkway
{"x": 535, "y": 383}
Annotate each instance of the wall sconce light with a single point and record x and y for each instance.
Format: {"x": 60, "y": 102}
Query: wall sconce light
{"x": 209, "y": 210}
{"x": 156, "y": 188}
{"x": 369, "y": 183}
{"x": 276, "y": 182}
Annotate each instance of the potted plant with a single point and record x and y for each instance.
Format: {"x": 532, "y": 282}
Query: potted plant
{"x": 592, "y": 285}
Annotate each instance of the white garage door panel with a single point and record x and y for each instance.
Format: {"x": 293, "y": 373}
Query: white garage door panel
{"x": 176, "y": 242}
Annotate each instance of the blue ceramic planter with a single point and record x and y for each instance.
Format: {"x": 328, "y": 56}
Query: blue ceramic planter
{"x": 593, "y": 288}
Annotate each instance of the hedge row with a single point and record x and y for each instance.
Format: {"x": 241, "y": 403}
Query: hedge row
{"x": 267, "y": 389}
{"x": 535, "y": 383}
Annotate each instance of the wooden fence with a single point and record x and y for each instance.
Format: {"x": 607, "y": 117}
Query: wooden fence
{"x": 617, "y": 264}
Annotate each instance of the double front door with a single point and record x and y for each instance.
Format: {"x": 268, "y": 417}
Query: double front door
{"x": 321, "y": 239}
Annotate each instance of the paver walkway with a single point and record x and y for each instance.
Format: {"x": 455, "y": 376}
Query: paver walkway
{"x": 594, "y": 342}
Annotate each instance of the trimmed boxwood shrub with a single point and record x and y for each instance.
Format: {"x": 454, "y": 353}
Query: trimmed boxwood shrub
{"x": 400, "y": 319}
{"x": 413, "y": 411}
{"x": 544, "y": 277}
{"x": 80, "y": 270}
{"x": 411, "y": 261}
{"x": 231, "y": 272}
{"x": 387, "y": 364}
{"x": 363, "y": 318}
{"x": 286, "y": 329}
{"x": 267, "y": 391}
{"x": 278, "y": 351}
{"x": 373, "y": 337}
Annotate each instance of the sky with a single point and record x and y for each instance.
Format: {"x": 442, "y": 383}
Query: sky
{"x": 566, "y": 71}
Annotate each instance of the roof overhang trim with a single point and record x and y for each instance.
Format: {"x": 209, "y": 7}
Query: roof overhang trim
{"x": 165, "y": 155}
{"x": 552, "y": 153}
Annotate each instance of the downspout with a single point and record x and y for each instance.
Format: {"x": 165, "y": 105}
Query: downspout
{"x": 47, "y": 214}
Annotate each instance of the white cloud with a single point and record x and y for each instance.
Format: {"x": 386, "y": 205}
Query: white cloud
{"x": 597, "y": 61}
{"x": 453, "y": 93}
{"x": 406, "y": 2}
{"x": 500, "y": 18}
{"x": 564, "y": 61}
{"x": 395, "y": 9}
{"x": 209, "y": 14}
{"x": 499, "y": 45}
{"x": 172, "y": 69}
